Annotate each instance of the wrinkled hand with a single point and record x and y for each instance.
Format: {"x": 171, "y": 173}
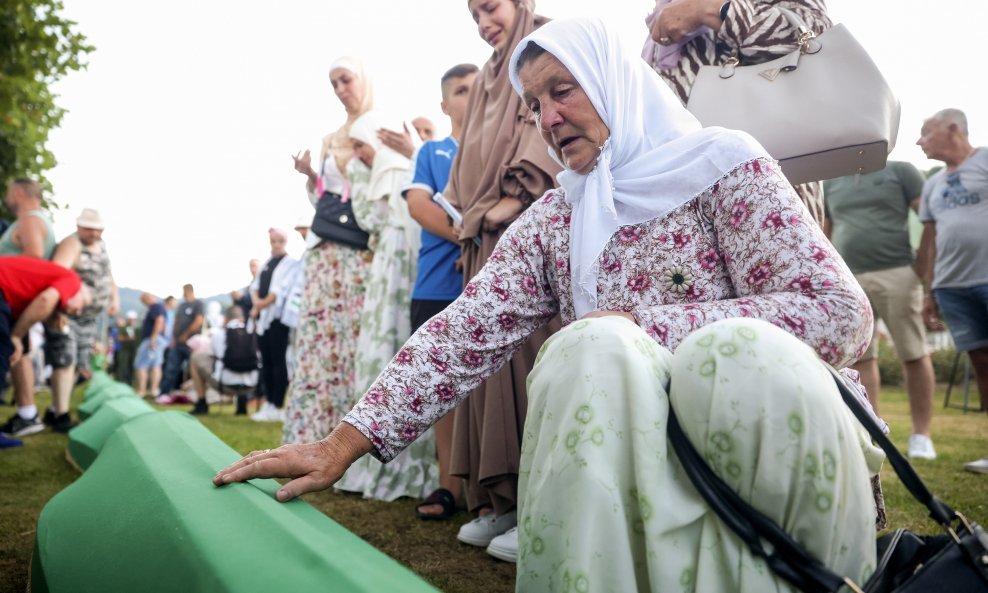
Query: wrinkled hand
{"x": 313, "y": 466}
{"x": 18, "y": 351}
{"x": 594, "y": 314}
{"x": 400, "y": 142}
{"x": 931, "y": 314}
{"x": 676, "y": 21}
{"x": 502, "y": 214}
{"x": 303, "y": 163}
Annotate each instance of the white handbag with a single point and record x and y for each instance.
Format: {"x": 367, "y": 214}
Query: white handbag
{"x": 822, "y": 111}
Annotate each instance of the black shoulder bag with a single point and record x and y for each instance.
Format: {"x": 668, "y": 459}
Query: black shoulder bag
{"x": 907, "y": 563}
{"x": 334, "y": 221}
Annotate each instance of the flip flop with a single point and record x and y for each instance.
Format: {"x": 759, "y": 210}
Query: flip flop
{"x": 443, "y": 498}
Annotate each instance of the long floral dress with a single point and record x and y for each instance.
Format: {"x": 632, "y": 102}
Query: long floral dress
{"x": 322, "y": 387}
{"x": 384, "y": 326}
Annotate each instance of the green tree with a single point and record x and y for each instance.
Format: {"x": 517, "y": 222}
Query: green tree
{"x": 37, "y": 48}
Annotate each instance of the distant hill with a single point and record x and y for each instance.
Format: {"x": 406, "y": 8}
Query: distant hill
{"x": 130, "y": 300}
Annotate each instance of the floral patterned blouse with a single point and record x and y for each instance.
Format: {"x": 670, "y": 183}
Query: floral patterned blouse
{"x": 745, "y": 248}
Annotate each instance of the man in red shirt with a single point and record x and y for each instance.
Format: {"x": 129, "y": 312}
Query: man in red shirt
{"x": 31, "y": 290}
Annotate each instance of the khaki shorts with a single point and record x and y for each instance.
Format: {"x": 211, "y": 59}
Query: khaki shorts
{"x": 203, "y": 362}
{"x": 896, "y": 297}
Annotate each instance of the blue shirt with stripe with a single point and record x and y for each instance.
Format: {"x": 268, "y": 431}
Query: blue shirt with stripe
{"x": 437, "y": 278}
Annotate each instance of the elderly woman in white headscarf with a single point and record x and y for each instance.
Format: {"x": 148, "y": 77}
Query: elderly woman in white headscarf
{"x": 689, "y": 275}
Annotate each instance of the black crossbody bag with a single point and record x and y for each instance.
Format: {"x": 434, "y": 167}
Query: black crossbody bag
{"x": 334, "y": 221}
{"x": 954, "y": 562}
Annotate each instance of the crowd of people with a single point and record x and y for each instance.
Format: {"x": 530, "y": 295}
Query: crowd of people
{"x": 530, "y": 338}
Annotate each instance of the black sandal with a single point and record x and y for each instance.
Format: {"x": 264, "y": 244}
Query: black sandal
{"x": 443, "y": 498}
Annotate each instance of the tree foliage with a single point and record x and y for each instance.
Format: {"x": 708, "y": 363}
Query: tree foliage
{"x": 37, "y": 48}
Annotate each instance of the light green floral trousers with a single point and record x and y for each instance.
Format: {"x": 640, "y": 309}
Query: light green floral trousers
{"x": 605, "y": 505}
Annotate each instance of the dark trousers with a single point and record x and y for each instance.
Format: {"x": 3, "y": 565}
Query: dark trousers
{"x": 172, "y": 376}
{"x": 123, "y": 363}
{"x": 6, "y": 345}
{"x": 274, "y": 368}
{"x": 423, "y": 310}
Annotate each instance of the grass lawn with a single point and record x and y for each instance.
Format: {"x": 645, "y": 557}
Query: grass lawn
{"x": 31, "y": 475}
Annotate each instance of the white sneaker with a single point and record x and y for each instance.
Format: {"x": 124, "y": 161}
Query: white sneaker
{"x": 921, "y": 447}
{"x": 979, "y": 467}
{"x": 482, "y": 530}
{"x": 268, "y": 413}
{"x": 505, "y": 546}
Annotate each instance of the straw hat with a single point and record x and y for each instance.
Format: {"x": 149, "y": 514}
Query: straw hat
{"x": 90, "y": 219}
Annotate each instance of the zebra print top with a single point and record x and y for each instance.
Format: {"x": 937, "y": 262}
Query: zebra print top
{"x": 755, "y": 31}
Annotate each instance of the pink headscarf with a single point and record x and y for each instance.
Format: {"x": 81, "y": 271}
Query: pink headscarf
{"x": 280, "y": 233}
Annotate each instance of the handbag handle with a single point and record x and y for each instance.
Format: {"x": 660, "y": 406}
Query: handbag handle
{"x": 806, "y": 38}
{"x": 808, "y": 44}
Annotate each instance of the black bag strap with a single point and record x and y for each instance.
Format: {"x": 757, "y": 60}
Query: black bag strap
{"x": 939, "y": 511}
{"x": 788, "y": 558}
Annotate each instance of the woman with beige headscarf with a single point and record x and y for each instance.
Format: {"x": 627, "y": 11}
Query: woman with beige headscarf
{"x": 500, "y": 169}
{"x": 336, "y": 267}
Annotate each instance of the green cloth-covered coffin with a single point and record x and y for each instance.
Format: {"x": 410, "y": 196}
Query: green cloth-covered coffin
{"x": 87, "y": 439}
{"x": 111, "y": 391}
{"x": 99, "y": 381}
{"x": 146, "y": 517}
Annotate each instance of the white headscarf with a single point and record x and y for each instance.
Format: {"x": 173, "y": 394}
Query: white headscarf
{"x": 389, "y": 173}
{"x": 657, "y": 157}
{"x": 365, "y": 129}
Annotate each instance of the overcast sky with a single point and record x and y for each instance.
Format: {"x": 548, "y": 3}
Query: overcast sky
{"x": 181, "y": 130}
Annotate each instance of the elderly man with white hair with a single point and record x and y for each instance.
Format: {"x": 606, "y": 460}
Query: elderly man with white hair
{"x": 69, "y": 350}
{"x": 953, "y": 260}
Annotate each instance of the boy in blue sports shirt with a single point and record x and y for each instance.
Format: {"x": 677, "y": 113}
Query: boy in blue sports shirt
{"x": 439, "y": 282}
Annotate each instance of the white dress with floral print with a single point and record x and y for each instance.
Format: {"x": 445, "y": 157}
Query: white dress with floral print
{"x": 384, "y": 326}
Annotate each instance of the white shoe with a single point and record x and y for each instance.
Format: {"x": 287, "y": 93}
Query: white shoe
{"x": 268, "y": 413}
{"x": 979, "y": 467}
{"x": 921, "y": 447}
{"x": 482, "y": 530}
{"x": 505, "y": 546}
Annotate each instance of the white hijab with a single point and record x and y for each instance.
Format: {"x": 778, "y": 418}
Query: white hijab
{"x": 390, "y": 171}
{"x": 657, "y": 157}
{"x": 365, "y": 129}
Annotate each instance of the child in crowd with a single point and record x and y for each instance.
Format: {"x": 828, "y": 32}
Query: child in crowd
{"x": 439, "y": 281}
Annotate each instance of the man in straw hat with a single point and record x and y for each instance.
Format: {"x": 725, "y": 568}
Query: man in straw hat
{"x": 70, "y": 351}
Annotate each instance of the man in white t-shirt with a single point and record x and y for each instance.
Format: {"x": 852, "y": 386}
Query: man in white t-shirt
{"x": 953, "y": 256}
